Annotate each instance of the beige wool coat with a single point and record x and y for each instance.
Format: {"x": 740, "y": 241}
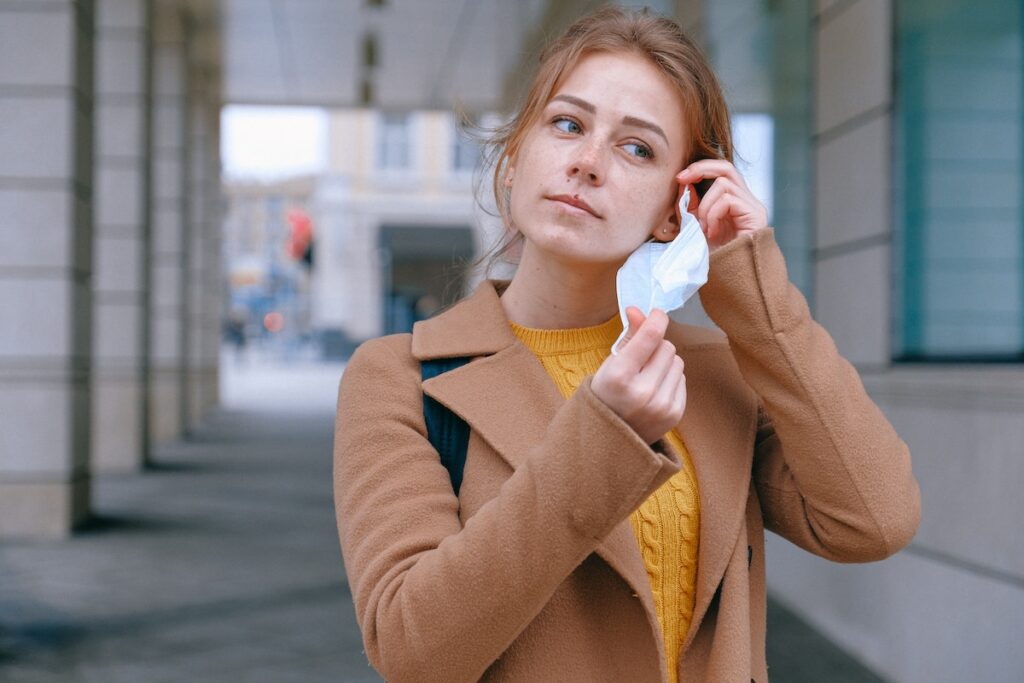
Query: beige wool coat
{"x": 533, "y": 573}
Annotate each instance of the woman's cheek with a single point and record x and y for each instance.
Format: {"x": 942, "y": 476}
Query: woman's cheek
{"x": 650, "y": 204}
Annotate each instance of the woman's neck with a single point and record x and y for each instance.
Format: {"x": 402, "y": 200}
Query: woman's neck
{"x": 546, "y": 294}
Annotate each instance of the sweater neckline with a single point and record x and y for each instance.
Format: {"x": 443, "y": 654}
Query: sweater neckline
{"x": 549, "y": 342}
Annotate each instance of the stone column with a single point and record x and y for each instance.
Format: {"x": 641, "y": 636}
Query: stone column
{"x": 214, "y": 289}
{"x": 122, "y": 235}
{"x": 204, "y": 181}
{"x": 196, "y": 226}
{"x": 169, "y": 219}
{"x": 853, "y": 233}
{"x": 46, "y": 196}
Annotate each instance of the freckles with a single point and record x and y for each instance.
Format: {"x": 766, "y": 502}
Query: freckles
{"x": 647, "y": 197}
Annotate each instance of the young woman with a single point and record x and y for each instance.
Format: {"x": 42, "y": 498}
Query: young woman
{"x": 609, "y": 525}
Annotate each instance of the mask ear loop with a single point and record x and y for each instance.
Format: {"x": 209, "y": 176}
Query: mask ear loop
{"x": 674, "y": 219}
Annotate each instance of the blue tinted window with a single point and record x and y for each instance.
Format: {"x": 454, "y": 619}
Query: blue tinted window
{"x": 958, "y": 181}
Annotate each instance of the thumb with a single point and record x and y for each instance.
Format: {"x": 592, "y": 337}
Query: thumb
{"x": 635, "y": 317}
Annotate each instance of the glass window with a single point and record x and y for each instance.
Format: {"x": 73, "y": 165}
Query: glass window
{"x": 762, "y": 55}
{"x": 958, "y": 181}
{"x": 394, "y": 142}
{"x": 465, "y": 150}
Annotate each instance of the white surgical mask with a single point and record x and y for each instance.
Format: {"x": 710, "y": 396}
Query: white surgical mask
{"x": 664, "y": 275}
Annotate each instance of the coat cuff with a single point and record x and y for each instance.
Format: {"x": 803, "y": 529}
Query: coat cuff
{"x": 748, "y": 293}
{"x": 623, "y": 473}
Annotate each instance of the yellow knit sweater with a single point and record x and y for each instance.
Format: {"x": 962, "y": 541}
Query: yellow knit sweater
{"x": 666, "y": 524}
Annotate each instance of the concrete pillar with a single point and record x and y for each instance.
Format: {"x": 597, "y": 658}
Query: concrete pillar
{"x": 122, "y": 235}
{"x": 853, "y": 227}
{"x": 204, "y": 252}
{"x": 196, "y": 226}
{"x": 214, "y": 289}
{"x": 169, "y": 219}
{"x": 46, "y": 197}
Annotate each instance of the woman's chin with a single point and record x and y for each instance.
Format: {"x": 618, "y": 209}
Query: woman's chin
{"x": 579, "y": 254}
{"x": 573, "y": 245}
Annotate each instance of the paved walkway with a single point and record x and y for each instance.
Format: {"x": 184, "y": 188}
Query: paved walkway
{"x": 222, "y": 563}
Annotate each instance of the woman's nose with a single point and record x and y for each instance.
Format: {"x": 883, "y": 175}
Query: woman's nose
{"x": 588, "y": 165}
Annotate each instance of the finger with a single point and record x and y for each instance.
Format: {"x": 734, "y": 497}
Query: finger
{"x": 711, "y": 168}
{"x": 645, "y": 341}
{"x": 652, "y": 375}
{"x": 718, "y": 188}
{"x": 679, "y": 397}
{"x": 695, "y": 199}
{"x": 718, "y": 218}
{"x": 668, "y": 392}
{"x": 658, "y": 319}
{"x": 634, "y": 319}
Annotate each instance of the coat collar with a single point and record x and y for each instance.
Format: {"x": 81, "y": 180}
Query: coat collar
{"x": 515, "y": 419}
{"x": 480, "y": 320}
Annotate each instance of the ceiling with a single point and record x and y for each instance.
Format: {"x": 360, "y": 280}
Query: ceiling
{"x": 428, "y": 53}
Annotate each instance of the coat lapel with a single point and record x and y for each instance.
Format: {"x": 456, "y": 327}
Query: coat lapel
{"x": 718, "y": 433}
{"x": 508, "y": 398}
{"x": 503, "y": 394}
{"x": 503, "y": 398}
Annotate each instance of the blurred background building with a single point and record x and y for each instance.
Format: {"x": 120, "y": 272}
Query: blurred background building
{"x": 885, "y": 136}
{"x": 395, "y": 214}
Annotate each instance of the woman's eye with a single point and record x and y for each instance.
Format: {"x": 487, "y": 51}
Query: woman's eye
{"x": 638, "y": 150}
{"x": 566, "y": 125}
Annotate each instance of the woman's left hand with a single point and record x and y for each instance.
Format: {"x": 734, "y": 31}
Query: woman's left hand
{"x": 728, "y": 208}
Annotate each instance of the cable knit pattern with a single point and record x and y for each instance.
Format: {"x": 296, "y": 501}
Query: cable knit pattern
{"x": 667, "y": 524}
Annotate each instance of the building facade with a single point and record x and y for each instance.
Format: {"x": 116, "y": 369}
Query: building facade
{"x": 396, "y": 217}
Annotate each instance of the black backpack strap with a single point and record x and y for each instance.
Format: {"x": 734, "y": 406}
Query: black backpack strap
{"x": 448, "y": 433}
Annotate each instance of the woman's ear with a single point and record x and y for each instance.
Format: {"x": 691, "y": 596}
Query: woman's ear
{"x": 509, "y": 172}
{"x": 668, "y": 227}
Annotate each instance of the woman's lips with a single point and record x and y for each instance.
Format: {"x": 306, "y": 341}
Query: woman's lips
{"x": 576, "y": 202}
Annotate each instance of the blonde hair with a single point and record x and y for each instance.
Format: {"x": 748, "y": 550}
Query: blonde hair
{"x": 613, "y": 29}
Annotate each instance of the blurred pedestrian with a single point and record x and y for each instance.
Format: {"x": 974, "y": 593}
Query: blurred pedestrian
{"x": 608, "y": 522}
{"x": 234, "y": 331}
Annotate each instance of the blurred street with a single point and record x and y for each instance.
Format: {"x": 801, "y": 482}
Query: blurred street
{"x": 222, "y": 562}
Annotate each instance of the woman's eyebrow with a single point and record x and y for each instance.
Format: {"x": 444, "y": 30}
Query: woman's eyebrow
{"x": 628, "y": 120}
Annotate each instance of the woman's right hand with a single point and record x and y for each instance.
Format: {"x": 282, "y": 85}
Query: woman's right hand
{"x": 644, "y": 383}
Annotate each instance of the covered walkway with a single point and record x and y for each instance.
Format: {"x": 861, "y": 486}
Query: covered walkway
{"x": 222, "y": 563}
{"x": 219, "y": 564}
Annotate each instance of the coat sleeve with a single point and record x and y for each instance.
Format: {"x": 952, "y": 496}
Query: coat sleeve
{"x": 831, "y": 474}
{"x": 437, "y": 601}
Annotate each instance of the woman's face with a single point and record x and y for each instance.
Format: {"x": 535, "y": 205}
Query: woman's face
{"x": 610, "y": 140}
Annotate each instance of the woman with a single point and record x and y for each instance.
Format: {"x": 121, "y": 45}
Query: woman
{"x": 609, "y": 525}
